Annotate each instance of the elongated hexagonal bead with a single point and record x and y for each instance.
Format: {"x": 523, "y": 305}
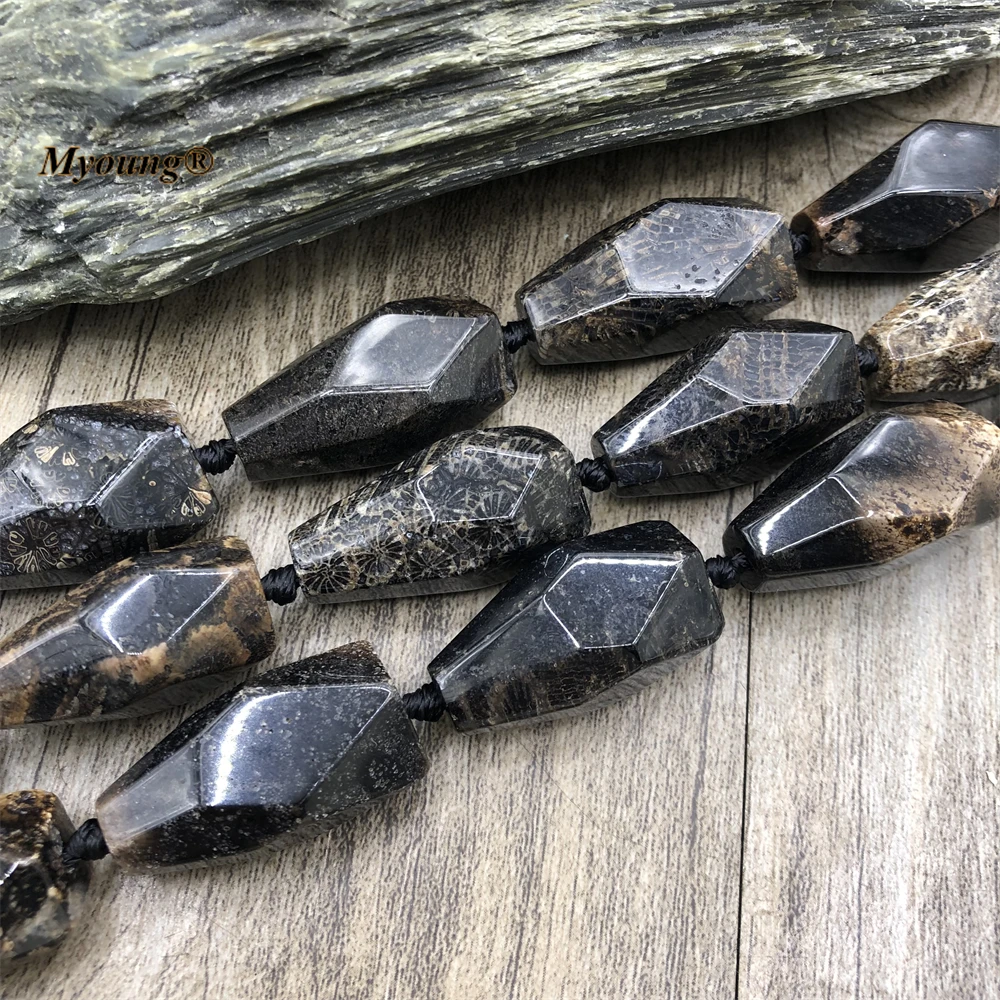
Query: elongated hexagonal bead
{"x": 943, "y": 340}
{"x": 274, "y": 761}
{"x": 40, "y": 895}
{"x": 84, "y": 486}
{"x": 733, "y": 410}
{"x": 660, "y": 281}
{"x": 589, "y": 622}
{"x": 871, "y": 498}
{"x": 928, "y": 203}
{"x": 464, "y": 513}
{"x": 148, "y": 633}
{"x": 400, "y": 378}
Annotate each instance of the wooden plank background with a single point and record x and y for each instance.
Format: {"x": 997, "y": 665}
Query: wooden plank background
{"x": 810, "y": 809}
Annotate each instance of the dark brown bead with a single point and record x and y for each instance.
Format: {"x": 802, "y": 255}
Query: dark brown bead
{"x": 660, "y": 281}
{"x": 148, "y": 633}
{"x": 84, "y": 486}
{"x": 40, "y": 895}
{"x": 928, "y": 203}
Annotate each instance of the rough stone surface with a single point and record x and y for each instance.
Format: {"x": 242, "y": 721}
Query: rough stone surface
{"x": 307, "y": 138}
{"x": 150, "y": 632}
{"x": 943, "y": 340}
{"x": 84, "y": 486}
{"x": 402, "y": 377}
{"x": 733, "y": 410}
{"x": 272, "y": 762}
{"x": 659, "y": 281}
{"x": 871, "y": 498}
{"x": 39, "y": 895}
{"x": 589, "y": 622}
{"x": 464, "y": 513}
{"x": 930, "y": 202}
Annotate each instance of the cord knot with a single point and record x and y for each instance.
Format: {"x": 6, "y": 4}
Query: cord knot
{"x": 516, "y": 334}
{"x": 426, "y": 704}
{"x": 85, "y": 844}
{"x": 725, "y": 571}
{"x": 280, "y": 584}
{"x": 867, "y": 360}
{"x": 594, "y": 474}
{"x": 801, "y": 245}
{"x": 216, "y": 456}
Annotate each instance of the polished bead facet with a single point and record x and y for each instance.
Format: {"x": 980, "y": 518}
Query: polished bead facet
{"x": 40, "y": 896}
{"x": 464, "y": 513}
{"x": 150, "y": 632}
{"x": 660, "y": 281}
{"x": 871, "y": 498}
{"x": 589, "y": 622}
{"x": 928, "y": 203}
{"x": 397, "y": 380}
{"x": 733, "y": 410}
{"x": 84, "y": 486}
{"x": 943, "y": 340}
{"x": 269, "y": 763}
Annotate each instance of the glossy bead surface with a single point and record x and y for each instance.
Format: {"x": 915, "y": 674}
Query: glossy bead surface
{"x": 589, "y": 622}
{"x": 84, "y": 486}
{"x": 400, "y": 378}
{"x": 464, "y": 513}
{"x": 930, "y": 202}
{"x": 40, "y": 896}
{"x": 733, "y": 410}
{"x": 269, "y": 763}
{"x": 660, "y": 281}
{"x": 943, "y": 340}
{"x": 871, "y": 498}
{"x": 150, "y": 632}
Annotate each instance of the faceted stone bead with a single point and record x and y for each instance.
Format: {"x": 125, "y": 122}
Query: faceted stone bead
{"x": 272, "y": 762}
{"x": 943, "y": 340}
{"x": 150, "y": 632}
{"x": 40, "y": 896}
{"x": 733, "y": 410}
{"x": 928, "y": 203}
{"x": 462, "y": 514}
{"x": 397, "y": 380}
{"x": 871, "y": 498}
{"x": 660, "y": 281}
{"x": 588, "y": 623}
{"x": 84, "y": 486}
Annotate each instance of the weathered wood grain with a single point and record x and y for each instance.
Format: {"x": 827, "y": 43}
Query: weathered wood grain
{"x": 601, "y": 856}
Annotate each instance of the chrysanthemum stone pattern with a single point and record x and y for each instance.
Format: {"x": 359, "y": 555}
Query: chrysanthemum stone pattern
{"x": 402, "y": 377}
{"x": 84, "y": 486}
{"x": 155, "y": 630}
{"x": 267, "y": 764}
{"x": 660, "y": 281}
{"x": 928, "y": 203}
{"x": 464, "y": 513}
{"x": 943, "y": 340}
{"x": 733, "y": 410}
{"x": 589, "y": 622}
{"x": 871, "y": 498}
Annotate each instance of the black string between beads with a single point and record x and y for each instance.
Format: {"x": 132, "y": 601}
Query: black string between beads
{"x": 516, "y": 334}
{"x": 280, "y": 584}
{"x": 594, "y": 474}
{"x": 85, "y": 844}
{"x": 725, "y": 571}
{"x": 801, "y": 245}
{"x": 426, "y": 704}
{"x": 867, "y": 360}
{"x": 216, "y": 456}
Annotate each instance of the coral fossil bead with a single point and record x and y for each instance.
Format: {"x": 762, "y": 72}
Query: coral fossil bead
{"x": 943, "y": 339}
{"x": 150, "y": 632}
{"x": 400, "y": 378}
{"x": 272, "y": 762}
{"x": 39, "y": 894}
{"x": 660, "y": 281}
{"x": 928, "y": 203}
{"x": 733, "y": 410}
{"x": 587, "y": 623}
{"x": 84, "y": 486}
{"x": 871, "y": 498}
{"x": 462, "y": 514}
